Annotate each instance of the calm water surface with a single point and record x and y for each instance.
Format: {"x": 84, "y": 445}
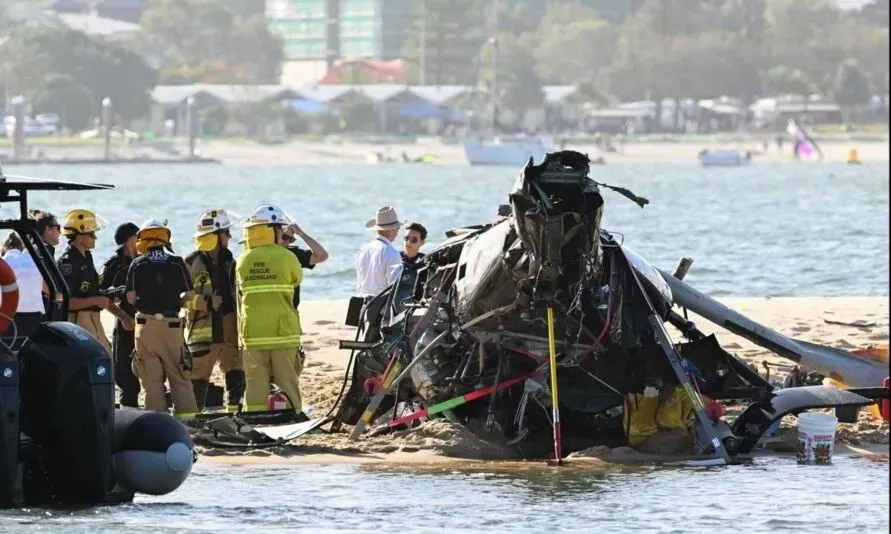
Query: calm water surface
{"x": 780, "y": 230}
{"x": 773, "y": 495}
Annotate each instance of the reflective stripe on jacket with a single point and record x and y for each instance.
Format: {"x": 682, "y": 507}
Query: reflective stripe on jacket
{"x": 266, "y": 277}
{"x": 199, "y": 331}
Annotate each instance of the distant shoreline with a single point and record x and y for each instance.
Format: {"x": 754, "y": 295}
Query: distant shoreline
{"x": 337, "y": 150}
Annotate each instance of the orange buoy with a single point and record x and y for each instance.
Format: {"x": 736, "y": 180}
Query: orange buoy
{"x": 10, "y": 295}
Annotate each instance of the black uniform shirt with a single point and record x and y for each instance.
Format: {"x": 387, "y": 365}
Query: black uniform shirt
{"x": 158, "y": 278}
{"x": 225, "y": 280}
{"x": 411, "y": 261}
{"x": 114, "y": 275}
{"x": 80, "y": 274}
{"x": 303, "y": 256}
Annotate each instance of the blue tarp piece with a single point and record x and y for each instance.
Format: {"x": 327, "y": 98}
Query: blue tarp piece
{"x": 421, "y": 110}
{"x": 307, "y": 106}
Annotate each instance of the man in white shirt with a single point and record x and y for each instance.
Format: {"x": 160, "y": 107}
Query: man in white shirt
{"x": 30, "y": 309}
{"x": 378, "y": 263}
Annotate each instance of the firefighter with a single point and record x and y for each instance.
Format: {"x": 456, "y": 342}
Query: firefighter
{"x": 157, "y": 286}
{"x": 113, "y": 278}
{"x": 269, "y": 327}
{"x": 79, "y": 271}
{"x": 211, "y": 324}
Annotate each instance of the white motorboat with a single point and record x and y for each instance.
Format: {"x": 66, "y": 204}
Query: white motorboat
{"x": 508, "y": 151}
{"x": 724, "y": 158}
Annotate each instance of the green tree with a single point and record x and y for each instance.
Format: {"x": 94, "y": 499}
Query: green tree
{"x": 70, "y": 99}
{"x": 518, "y": 87}
{"x": 572, "y": 44}
{"x": 851, "y": 86}
{"x": 453, "y": 34}
{"x": 781, "y": 80}
{"x": 105, "y": 68}
{"x": 195, "y": 33}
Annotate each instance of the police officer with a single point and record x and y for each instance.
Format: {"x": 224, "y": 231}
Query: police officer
{"x": 157, "y": 286}
{"x": 77, "y": 268}
{"x": 211, "y": 324}
{"x": 269, "y": 326}
{"x": 113, "y": 278}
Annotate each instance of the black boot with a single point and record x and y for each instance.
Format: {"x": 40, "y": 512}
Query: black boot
{"x": 200, "y": 389}
{"x": 235, "y": 386}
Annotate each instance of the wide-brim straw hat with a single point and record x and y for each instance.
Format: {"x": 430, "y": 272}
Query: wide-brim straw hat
{"x": 385, "y": 219}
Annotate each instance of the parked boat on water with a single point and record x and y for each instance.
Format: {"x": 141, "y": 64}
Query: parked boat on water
{"x": 724, "y": 158}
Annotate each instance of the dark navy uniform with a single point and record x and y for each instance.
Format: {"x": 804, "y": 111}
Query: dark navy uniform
{"x": 114, "y": 275}
{"x": 159, "y": 279}
{"x": 80, "y": 276}
{"x": 304, "y": 257}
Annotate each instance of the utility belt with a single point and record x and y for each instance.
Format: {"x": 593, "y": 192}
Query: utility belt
{"x": 173, "y": 320}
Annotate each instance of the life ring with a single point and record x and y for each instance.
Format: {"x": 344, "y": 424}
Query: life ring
{"x": 10, "y": 295}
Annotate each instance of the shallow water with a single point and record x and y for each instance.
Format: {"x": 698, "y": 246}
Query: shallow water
{"x": 791, "y": 229}
{"x": 772, "y": 495}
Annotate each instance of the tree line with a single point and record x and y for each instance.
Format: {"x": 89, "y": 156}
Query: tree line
{"x": 654, "y": 49}
{"x": 63, "y": 70}
{"x": 662, "y": 49}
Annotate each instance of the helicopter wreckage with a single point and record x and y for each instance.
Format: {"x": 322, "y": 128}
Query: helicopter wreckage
{"x": 501, "y": 317}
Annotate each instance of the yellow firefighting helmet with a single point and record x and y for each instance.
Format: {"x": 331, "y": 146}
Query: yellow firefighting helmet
{"x": 152, "y": 233}
{"x": 80, "y": 221}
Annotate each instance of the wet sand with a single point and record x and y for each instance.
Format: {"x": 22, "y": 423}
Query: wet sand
{"x": 845, "y": 322}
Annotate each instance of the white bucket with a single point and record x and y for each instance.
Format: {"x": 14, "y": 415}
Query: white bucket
{"x": 816, "y": 437}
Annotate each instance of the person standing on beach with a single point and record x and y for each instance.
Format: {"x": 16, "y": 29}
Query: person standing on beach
{"x": 79, "y": 272}
{"x": 29, "y": 313}
{"x": 266, "y": 276}
{"x": 114, "y": 275}
{"x": 308, "y": 258}
{"x": 49, "y": 230}
{"x": 211, "y": 322}
{"x": 378, "y": 263}
{"x": 414, "y": 239}
{"x": 157, "y": 286}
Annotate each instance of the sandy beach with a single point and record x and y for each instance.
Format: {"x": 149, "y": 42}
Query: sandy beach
{"x": 846, "y": 323}
{"x": 338, "y": 151}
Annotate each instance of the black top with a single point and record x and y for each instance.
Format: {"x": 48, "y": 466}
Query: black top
{"x": 411, "y": 261}
{"x": 158, "y": 278}
{"x": 80, "y": 275}
{"x": 222, "y": 276}
{"x": 303, "y": 256}
{"x": 114, "y": 275}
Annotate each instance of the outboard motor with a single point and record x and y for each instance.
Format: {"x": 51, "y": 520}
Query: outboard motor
{"x": 67, "y": 412}
{"x": 9, "y": 428}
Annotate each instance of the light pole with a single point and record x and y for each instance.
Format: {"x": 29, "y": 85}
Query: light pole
{"x": 422, "y": 60}
{"x": 106, "y": 126}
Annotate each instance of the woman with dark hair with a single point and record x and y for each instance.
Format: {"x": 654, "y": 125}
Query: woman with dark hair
{"x": 415, "y": 236}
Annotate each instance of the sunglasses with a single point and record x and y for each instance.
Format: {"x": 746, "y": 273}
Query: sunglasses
{"x": 411, "y": 239}
{"x": 290, "y": 238}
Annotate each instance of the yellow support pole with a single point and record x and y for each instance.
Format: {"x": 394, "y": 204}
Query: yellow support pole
{"x": 555, "y": 406}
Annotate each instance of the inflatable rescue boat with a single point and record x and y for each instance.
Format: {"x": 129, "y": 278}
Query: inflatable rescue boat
{"x": 62, "y": 441}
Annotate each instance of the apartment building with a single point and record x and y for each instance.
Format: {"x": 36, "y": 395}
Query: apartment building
{"x": 339, "y": 29}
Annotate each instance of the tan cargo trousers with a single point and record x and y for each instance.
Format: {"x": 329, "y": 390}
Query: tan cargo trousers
{"x": 91, "y": 321}
{"x": 159, "y": 358}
